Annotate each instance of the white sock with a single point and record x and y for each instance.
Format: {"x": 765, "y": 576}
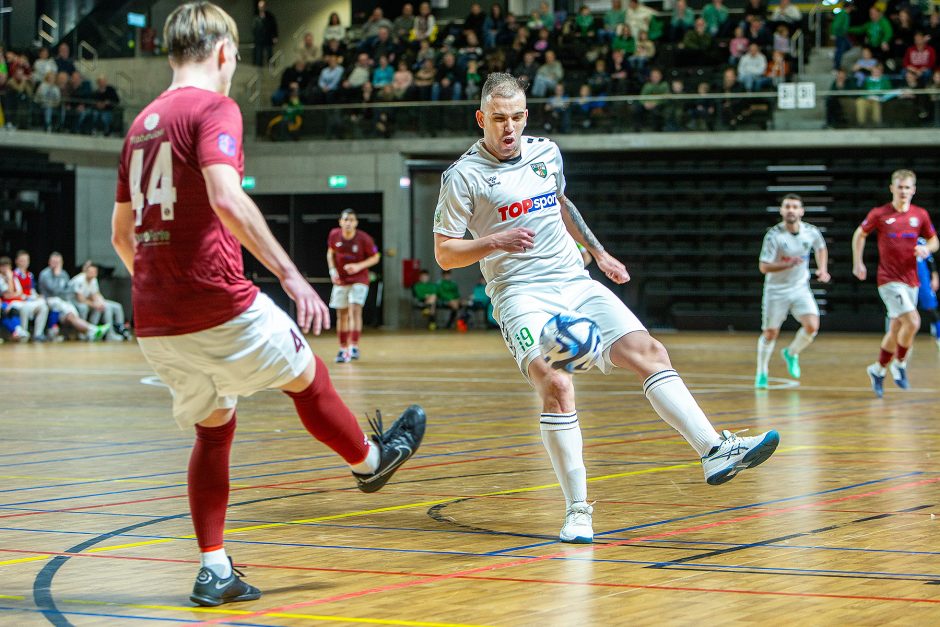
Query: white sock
{"x": 674, "y": 404}
{"x": 765, "y": 348}
{"x": 879, "y": 369}
{"x": 561, "y": 435}
{"x": 800, "y": 342}
{"x": 371, "y": 463}
{"x": 217, "y": 561}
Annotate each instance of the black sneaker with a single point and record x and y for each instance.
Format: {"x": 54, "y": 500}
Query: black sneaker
{"x": 396, "y": 446}
{"x": 211, "y": 590}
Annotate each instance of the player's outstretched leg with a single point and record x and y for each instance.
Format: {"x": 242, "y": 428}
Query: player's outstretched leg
{"x": 804, "y": 337}
{"x": 722, "y": 456}
{"x": 328, "y": 419}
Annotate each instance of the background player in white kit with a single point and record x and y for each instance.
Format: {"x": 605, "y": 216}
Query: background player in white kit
{"x": 784, "y": 262}
{"x": 508, "y": 191}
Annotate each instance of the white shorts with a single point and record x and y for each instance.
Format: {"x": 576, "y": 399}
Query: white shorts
{"x": 207, "y": 370}
{"x": 61, "y": 306}
{"x": 342, "y": 295}
{"x": 775, "y": 307}
{"x": 899, "y": 298}
{"x": 522, "y": 312}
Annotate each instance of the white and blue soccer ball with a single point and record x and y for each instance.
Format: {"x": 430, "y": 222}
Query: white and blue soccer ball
{"x": 571, "y": 342}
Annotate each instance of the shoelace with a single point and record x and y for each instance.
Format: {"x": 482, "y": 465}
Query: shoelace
{"x": 237, "y": 571}
{"x": 376, "y": 424}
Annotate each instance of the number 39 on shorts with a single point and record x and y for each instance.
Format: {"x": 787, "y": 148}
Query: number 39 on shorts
{"x": 160, "y": 190}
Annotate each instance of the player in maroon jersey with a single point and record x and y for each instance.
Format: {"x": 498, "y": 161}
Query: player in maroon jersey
{"x": 898, "y": 224}
{"x": 180, "y": 219}
{"x": 350, "y": 253}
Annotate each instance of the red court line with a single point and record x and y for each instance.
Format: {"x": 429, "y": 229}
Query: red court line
{"x": 592, "y": 548}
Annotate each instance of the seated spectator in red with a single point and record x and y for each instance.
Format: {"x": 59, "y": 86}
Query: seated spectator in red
{"x": 920, "y": 59}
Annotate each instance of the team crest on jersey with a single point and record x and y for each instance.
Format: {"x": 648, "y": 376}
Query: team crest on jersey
{"x": 492, "y": 180}
{"x": 914, "y": 222}
{"x": 539, "y": 168}
{"x": 227, "y": 144}
{"x": 151, "y": 121}
{"x": 890, "y": 221}
{"x": 438, "y": 217}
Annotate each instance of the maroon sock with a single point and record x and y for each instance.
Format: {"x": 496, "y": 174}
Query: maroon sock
{"x": 354, "y": 337}
{"x": 902, "y": 352}
{"x": 208, "y": 482}
{"x": 344, "y": 338}
{"x": 885, "y": 357}
{"x": 327, "y": 418}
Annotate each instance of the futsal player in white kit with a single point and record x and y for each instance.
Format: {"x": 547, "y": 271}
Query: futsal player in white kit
{"x": 508, "y": 190}
{"x": 784, "y": 262}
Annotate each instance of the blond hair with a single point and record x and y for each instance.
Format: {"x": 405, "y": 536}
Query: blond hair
{"x": 193, "y": 29}
{"x": 899, "y": 175}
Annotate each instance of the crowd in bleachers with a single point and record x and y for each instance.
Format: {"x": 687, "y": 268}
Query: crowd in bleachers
{"x": 578, "y": 60}
{"x": 55, "y": 306}
{"x": 38, "y": 91}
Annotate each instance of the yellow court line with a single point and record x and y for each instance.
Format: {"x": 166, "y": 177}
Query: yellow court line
{"x": 13, "y": 597}
{"x": 234, "y": 613}
{"x": 367, "y": 512}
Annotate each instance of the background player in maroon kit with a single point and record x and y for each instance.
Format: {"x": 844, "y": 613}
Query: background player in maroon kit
{"x": 180, "y": 218}
{"x": 350, "y": 253}
{"x": 898, "y": 224}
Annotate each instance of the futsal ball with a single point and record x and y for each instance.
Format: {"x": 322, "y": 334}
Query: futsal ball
{"x": 571, "y": 342}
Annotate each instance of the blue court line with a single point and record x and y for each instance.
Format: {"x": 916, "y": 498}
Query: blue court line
{"x": 130, "y": 616}
{"x": 727, "y": 509}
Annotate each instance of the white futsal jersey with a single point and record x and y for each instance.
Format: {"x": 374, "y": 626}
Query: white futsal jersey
{"x": 484, "y": 195}
{"x": 782, "y": 245}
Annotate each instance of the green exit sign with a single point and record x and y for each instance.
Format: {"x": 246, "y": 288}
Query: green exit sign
{"x": 248, "y": 182}
{"x": 337, "y": 181}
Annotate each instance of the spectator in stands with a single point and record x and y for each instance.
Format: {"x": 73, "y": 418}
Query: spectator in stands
{"x": 877, "y": 31}
{"x": 782, "y": 39}
{"x": 558, "y": 111}
{"x": 106, "y": 100}
{"x": 754, "y": 8}
{"x": 588, "y": 108}
{"x": 475, "y": 20}
{"x": 639, "y": 16}
{"x": 757, "y": 33}
{"x": 493, "y": 25}
{"x": 652, "y": 110}
{"x": 86, "y": 293}
{"x": 863, "y": 67}
{"x": 473, "y": 80}
{"x": 935, "y": 98}
{"x": 912, "y": 93}
{"x": 696, "y": 43}
{"x": 264, "y": 30}
{"x": 334, "y": 31}
{"x": 77, "y": 100}
{"x": 623, "y": 40}
{"x": 307, "y": 50}
{"x": 48, "y": 98}
{"x": 479, "y": 301}
{"x": 841, "y": 22}
{"x": 425, "y": 297}
{"x": 329, "y": 80}
{"x": 835, "y": 114}
{"x": 528, "y": 68}
{"x": 509, "y": 30}
{"x": 933, "y": 31}
{"x": 43, "y": 65}
{"x": 584, "y": 25}
{"x": 619, "y": 73}
{"x": 448, "y": 295}
{"x": 549, "y": 74}
{"x": 425, "y": 27}
{"x": 332, "y": 47}
{"x": 382, "y": 77}
{"x": 289, "y": 122}
{"x": 751, "y": 68}
{"x": 716, "y": 19}
{"x": 682, "y": 21}
{"x": 543, "y": 42}
{"x": 425, "y": 51}
{"x": 675, "y": 113}
{"x": 615, "y": 15}
{"x": 12, "y": 295}
{"x": 643, "y": 54}
{"x": 401, "y": 27}
{"x": 470, "y": 50}
{"x": 702, "y": 110}
{"x": 920, "y": 59}
{"x": 903, "y": 36}
{"x": 54, "y": 287}
{"x": 383, "y": 44}
{"x": 599, "y": 81}
{"x": 370, "y": 29}
{"x": 18, "y": 99}
{"x": 424, "y": 79}
{"x": 358, "y": 76}
{"x": 870, "y": 106}
{"x": 403, "y": 82}
{"x": 63, "y": 61}
{"x": 738, "y": 46}
{"x": 787, "y": 14}
{"x": 448, "y": 81}
{"x": 778, "y": 69}
{"x": 295, "y": 74}
{"x": 547, "y": 17}
{"x": 730, "y": 108}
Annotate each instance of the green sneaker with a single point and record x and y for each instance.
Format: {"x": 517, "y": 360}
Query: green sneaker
{"x": 793, "y": 363}
{"x": 760, "y": 381}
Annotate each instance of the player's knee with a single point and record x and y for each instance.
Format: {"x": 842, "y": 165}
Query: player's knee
{"x": 771, "y": 334}
{"x": 557, "y": 388}
{"x": 811, "y": 328}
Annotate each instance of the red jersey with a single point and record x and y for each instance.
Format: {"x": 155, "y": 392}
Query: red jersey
{"x": 897, "y": 236}
{"x": 188, "y": 271}
{"x": 26, "y": 280}
{"x": 354, "y": 250}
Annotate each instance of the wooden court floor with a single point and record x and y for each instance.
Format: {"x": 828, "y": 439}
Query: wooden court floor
{"x": 839, "y": 527}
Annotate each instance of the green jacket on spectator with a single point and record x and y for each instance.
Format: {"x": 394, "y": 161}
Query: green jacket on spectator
{"x": 628, "y": 44}
{"x": 655, "y": 89}
{"x": 840, "y": 24}
{"x": 422, "y": 290}
{"x": 614, "y": 17}
{"x": 714, "y": 17}
{"x": 876, "y": 33}
{"x": 873, "y": 84}
{"x": 447, "y": 290}
{"x": 693, "y": 41}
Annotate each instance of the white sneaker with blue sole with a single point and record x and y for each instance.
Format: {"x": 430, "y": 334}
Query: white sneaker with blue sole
{"x": 578, "y": 528}
{"x": 734, "y": 454}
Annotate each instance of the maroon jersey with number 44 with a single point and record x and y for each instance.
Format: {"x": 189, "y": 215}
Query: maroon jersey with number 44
{"x": 897, "y": 235}
{"x": 188, "y": 271}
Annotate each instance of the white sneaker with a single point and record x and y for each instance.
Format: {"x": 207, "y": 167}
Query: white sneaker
{"x": 899, "y": 374}
{"x": 734, "y": 454}
{"x": 20, "y": 334}
{"x": 578, "y": 528}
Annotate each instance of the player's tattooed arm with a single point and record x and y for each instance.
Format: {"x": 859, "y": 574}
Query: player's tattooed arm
{"x": 574, "y": 222}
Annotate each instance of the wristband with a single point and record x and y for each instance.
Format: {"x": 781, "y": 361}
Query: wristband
{"x": 333, "y": 273}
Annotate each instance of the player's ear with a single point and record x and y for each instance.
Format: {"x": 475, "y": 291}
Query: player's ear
{"x": 479, "y": 118}
{"x": 220, "y": 52}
